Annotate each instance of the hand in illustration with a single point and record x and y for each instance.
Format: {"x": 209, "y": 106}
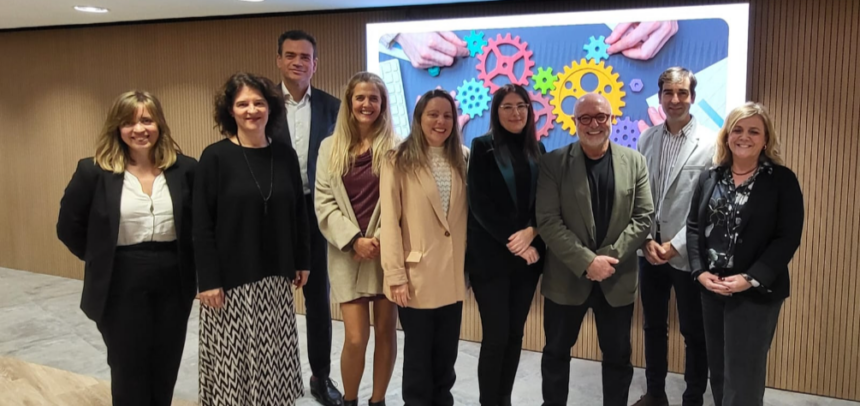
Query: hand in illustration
{"x": 428, "y": 49}
{"x": 641, "y": 40}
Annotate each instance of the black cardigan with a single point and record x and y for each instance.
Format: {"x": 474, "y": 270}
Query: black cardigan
{"x": 88, "y": 225}
{"x": 493, "y": 214}
{"x": 770, "y": 231}
{"x": 235, "y": 242}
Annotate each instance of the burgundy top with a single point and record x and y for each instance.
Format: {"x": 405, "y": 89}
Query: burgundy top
{"x": 362, "y": 187}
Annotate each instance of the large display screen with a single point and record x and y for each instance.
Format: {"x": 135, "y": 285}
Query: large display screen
{"x": 559, "y": 57}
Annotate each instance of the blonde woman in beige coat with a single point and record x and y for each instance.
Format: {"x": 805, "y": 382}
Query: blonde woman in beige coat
{"x": 424, "y": 216}
{"x": 347, "y": 207}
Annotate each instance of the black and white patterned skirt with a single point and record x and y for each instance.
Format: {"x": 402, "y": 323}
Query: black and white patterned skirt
{"x": 249, "y": 349}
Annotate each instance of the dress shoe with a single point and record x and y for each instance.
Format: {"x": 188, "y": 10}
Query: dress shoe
{"x": 380, "y": 403}
{"x": 323, "y": 390}
{"x": 651, "y": 400}
{"x": 350, "y": 402}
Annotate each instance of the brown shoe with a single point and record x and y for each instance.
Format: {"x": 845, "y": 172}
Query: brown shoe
{"x": 650, "y": 400}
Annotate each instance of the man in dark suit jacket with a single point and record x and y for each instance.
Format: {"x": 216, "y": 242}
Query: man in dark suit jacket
{"x": 593, "y": 210}
{"x": 310, "y": 114}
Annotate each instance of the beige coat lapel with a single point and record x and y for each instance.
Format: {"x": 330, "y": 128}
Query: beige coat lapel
{"x": 428, "y": 183}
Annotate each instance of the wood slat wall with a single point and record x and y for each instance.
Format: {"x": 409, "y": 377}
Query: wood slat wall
{"x": 56, "y": 85}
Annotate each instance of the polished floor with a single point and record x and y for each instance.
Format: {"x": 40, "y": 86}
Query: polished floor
{"x": 51, "y": 354}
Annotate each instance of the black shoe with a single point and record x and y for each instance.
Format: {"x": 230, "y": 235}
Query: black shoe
{"x": 380, "y": 403}
{"x": 651, "y": 400}
{"x": 350, "y": 402}
{"x": 324, "y": 391}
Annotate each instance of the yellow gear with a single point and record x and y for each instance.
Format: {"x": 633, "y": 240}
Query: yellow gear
{"x": 608, "y": 85}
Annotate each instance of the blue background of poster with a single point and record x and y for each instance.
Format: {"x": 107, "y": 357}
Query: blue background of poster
{"x": 697, "y": 45}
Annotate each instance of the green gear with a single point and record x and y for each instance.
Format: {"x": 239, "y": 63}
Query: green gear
{"x": 544, "y": 80}
{"x": 475, "y": 42}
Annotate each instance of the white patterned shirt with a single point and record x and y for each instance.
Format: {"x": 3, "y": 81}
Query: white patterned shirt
{"x": 442, "y": 173}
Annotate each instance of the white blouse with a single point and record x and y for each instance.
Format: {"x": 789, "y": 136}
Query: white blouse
{"x": 145, "y": 218}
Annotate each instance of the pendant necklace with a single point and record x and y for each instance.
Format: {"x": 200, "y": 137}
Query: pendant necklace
{"x": 271, "y": 174}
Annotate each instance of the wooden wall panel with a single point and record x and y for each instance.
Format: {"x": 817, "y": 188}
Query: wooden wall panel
{"x": 58, "y": 83}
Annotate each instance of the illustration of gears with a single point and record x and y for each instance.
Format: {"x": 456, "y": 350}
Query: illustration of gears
{"x": 596, "y": 49}
{"x": 626, "y": 133}
{"x": 544, "y": 80}
{"x": 569, "y": 84}
{"x": 474, "y": 97}
{"x": 636, "y": 85}
{"x": 542, "y": 108}
{"x": 475, "y": 42}
{"x": 505, "y": 63}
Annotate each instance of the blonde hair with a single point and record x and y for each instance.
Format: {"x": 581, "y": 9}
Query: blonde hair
{"x": 345, "y": 138}
{"x": 412, "y": 153}
{"x": 112, "y": 152}
{"x": 723, "y": 155}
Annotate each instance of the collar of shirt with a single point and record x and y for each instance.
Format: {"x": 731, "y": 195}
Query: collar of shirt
{"x": 684, "y": 131}
{"x": 288, "y": 97}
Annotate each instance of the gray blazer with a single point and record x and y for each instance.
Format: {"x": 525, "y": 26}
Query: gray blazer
{"x": 697, "y": 154}
{"x": 566, "y": 223}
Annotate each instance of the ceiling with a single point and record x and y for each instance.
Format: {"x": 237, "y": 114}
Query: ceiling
{"x": 44, "y": 13}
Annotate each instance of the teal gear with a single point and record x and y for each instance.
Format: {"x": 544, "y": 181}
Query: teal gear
{"x": 474, "y": 97}
{"x": 475, "y": 42}
{"x": 596, "y": 49}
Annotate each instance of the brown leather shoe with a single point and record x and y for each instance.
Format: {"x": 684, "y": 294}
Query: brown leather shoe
{"x": 650, "y": 400}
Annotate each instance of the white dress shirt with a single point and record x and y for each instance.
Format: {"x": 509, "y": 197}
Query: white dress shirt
{"x": 145, "y": 218}
{"x": 299, "y": 123}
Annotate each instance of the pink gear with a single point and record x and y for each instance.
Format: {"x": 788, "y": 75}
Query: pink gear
{"x": 505, "y": 63}
{"x": 544, "y": 111}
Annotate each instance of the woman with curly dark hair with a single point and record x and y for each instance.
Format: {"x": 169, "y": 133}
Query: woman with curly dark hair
{"x": 251, "y": 242}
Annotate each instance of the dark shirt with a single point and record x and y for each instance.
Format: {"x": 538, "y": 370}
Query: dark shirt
{"x": 362, "y": 187}
{"x": 601, "y": 184}
{"x": 236, "y": 239}
{"x": 724, "y": 219}
{"x": 522, "y": 179}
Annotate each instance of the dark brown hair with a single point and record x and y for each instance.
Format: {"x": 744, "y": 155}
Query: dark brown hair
{"x": 224, "y": 120}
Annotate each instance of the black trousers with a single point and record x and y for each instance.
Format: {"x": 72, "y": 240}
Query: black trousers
{"x": 738, "y": 333}
{"x": 655, "y": 285}
{"x": 430, "y": 344}
{"x": 144, "y": 324}
{"x": 504, "y": 303}
{"x": 317, "y": 304}
{"x": 562, "y": 324}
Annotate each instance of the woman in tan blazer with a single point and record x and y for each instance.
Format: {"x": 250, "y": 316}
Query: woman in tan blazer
{"x": 424, "y": 216}
{"x": 347, "y": 208}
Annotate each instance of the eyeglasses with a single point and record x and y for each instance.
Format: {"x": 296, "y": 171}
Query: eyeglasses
{"x": 601, "y": 119}
{"x": 521, "y": 108}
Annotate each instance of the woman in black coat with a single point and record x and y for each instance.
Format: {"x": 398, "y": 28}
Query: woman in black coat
{"x": 744, "y": 226}
{"x": 127, "y": 214}
{"x": 504, "y": 253}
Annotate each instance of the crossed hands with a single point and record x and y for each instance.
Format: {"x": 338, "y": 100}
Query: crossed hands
{"x": 658, "y": 254}
{"x": 520, "y": 244}
{"x": 365, "y": 248}
{"x": 723, "y": 286}
{"x": 601, "y": 267}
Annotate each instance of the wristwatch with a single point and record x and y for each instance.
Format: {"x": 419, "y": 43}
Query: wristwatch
{"x": 750, "y": 279}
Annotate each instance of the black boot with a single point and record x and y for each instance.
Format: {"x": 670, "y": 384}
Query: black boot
{"x": 380, "y": 403}
{"x": 323, "y": 390}
{"x": 350, "y": 402}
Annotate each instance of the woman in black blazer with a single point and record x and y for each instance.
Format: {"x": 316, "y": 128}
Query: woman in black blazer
{"x": 503, "y": 255}
{"x": 127, "y": 214}
{"x": 744, "y": 227}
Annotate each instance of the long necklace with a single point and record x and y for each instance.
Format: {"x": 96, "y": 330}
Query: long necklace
{"x": 271, "y": 174}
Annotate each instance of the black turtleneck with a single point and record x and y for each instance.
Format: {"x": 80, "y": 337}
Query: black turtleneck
{"x": 522, "y": 177}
